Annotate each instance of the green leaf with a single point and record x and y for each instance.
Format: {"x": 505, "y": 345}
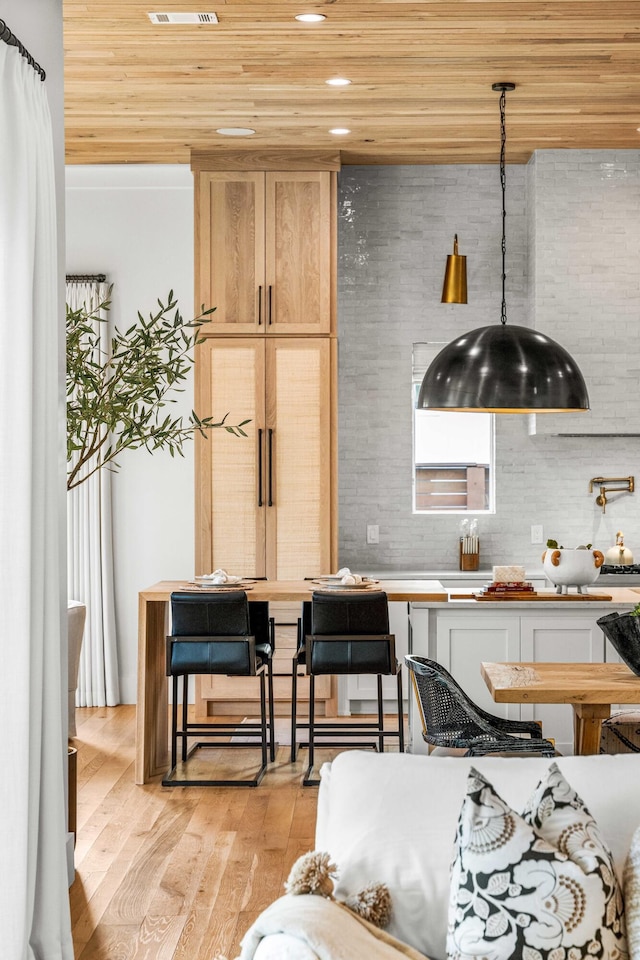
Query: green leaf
{"x": 116, "y": 396}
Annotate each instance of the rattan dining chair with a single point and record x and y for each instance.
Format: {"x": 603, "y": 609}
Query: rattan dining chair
{"x": 452, "y": 722}
{"x": 219, "y": 634}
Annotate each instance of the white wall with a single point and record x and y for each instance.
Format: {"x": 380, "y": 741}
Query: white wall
{"x": 135, "y": 224}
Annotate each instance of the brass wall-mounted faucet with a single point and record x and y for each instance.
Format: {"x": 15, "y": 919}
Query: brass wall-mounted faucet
{"x": 602, "y": 499}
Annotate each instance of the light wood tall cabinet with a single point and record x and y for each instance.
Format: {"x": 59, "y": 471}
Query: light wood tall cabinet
{"x": 264, "y": 502}
{"x": 266, "y": 505}
{"x": 264, "y": 257}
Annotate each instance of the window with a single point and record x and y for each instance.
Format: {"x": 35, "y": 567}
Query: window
{"x": 453, "y": 453}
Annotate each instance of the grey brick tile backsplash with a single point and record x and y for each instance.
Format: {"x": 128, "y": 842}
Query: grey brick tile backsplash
{"x": 396, "y": 226}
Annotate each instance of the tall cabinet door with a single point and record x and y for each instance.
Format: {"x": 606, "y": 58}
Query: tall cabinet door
{"x": 298, "y": 252}
{"x": 298, "y": 457}
{"x": 264, "y": 501}
{"x": 230, "y": 258}
{"x": 230, "y": 470}
{"x": 265, "y": 251}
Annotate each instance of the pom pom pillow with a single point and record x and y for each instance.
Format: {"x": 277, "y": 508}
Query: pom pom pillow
{"x": 537, "y": 886}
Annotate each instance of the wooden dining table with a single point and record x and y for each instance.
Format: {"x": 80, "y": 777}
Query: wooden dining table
{"x": 152, "y": 757}
{"x": 590, "y": 688}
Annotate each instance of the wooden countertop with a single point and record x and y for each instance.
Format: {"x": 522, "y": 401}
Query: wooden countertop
{"x": 590, "y": 688}
{"x": 590, "y": 683}
{"x": 414, "y": 591}
{"x": 619, "y": 596}
{"x": 427, "y": 591}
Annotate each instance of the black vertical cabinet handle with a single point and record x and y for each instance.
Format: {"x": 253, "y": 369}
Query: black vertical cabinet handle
{"x": 270, "y": 501}
{"x": 259, "y": 467}
{"x": 260, "y": 305}
{"x": 270, "y": 292}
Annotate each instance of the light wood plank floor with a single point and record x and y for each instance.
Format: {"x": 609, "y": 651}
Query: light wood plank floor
{"x": 177, "y": 873}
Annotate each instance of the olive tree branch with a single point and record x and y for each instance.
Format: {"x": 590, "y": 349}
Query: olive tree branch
{"x": 116, "y": 398}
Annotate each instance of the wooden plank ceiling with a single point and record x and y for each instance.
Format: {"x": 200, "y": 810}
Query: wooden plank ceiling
{"x": 421, "y": 75}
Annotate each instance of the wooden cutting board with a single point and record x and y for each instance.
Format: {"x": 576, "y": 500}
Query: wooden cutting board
{"x": 550, "y": 597}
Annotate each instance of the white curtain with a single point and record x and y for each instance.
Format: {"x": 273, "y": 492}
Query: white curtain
{"x": 90, "y": 553}
{"x": 34, "y": 903}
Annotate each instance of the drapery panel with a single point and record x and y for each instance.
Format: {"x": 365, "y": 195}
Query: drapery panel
{"x": 34, "y": 902}
{"x": 90, "y": 549}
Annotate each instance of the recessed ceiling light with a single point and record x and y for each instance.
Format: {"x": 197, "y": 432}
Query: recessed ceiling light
{"x": 310, "y": 17}
{"x": 235, "y": 131}
{"x": 340, "y": 130}
{"x": 338, "y": 82}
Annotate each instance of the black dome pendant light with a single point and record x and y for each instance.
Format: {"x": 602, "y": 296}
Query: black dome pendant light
{"x": 504, "y": 368}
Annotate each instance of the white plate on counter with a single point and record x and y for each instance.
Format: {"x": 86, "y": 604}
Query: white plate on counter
{"x": 229, "y": 584}
{"x": 334, "y": 584}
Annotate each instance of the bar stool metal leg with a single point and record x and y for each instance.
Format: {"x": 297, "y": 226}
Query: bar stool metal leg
{"x": 185, "y": 714}
{"x": 400, "y": 713}
{"x": 380, "y": 715}
{"x": 174, "y": 723}
{"x": 308, "y": 780}
{"x": 294, "y": 701}
{"x": 272, "y": 734}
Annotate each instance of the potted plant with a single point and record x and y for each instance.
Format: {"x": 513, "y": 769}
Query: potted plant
{"x": 117, "y": 399}
{"x": 567, "y": 566}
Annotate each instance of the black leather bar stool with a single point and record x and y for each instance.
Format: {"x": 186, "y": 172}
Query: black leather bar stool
{"x": 345, "y": 634}
{"x": 220, "y": 633}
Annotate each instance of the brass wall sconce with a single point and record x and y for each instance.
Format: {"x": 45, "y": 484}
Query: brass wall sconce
{"x": 602, "y": 499}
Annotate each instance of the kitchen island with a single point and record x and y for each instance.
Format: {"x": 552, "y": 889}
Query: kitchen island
{"x": 153, "y": 626}
{"x": 458, "y": 633}
{"x": 557, "y": 629}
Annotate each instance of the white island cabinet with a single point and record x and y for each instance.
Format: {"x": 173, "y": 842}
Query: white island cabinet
{"x": 358, "y": 693}
{"x": 460, "y": 635}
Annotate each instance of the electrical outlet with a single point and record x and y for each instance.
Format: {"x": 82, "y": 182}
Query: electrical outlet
{"x": 536, "y": 533}
{"x": 373, "y": 533}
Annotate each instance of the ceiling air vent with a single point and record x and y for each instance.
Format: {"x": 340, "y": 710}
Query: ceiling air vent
{"x": 183, "y": 18}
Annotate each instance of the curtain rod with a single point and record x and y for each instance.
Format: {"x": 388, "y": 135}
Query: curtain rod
{"x": 11, "y": 39}
{"x": 85, "y": 278}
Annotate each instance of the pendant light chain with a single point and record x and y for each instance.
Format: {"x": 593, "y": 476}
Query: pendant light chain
{"x": 502, "y": 88}
{"x": 503, "y": 186}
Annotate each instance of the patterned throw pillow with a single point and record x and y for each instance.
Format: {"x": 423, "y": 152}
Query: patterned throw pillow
{"x": 540, "y": 886}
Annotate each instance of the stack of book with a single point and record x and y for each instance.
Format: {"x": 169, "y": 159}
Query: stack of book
{"x": 501, "y": 588}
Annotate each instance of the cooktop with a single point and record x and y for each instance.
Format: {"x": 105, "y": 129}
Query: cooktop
{"x": 626, "y": 569}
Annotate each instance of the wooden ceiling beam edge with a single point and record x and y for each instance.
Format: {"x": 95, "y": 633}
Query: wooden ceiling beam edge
{"x": 266, "y": 159}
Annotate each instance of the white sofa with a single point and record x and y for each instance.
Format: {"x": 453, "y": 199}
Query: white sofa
{"x": 392, "y": 818}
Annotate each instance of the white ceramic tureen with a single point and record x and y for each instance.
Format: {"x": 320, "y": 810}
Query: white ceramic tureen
{"x": 571, "y": 567}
